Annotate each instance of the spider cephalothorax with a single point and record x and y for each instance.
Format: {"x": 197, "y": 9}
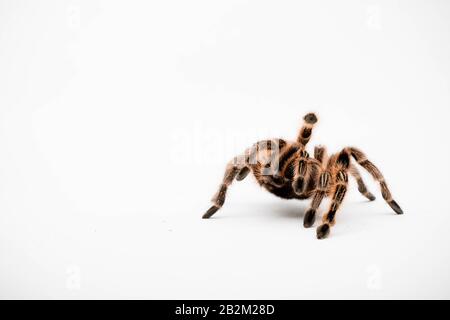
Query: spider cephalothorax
{"x": 285, "y": 169}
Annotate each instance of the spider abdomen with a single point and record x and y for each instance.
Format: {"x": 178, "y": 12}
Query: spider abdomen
{"x": 286, "y": 192}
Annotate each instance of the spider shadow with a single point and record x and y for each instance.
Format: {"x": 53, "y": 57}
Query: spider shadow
{"x": 293, "y": 209}
{"x": 296, "y": 209}
{"x": 285, "y": 209}
{"x": 288, "y": 210}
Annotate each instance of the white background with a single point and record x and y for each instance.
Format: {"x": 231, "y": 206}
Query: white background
{"x": 117, "y": 119}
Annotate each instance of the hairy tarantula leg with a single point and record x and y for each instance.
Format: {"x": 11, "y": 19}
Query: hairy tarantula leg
{"x": 361, "y": 185}
{"x": 243, "y": 173}
{"x": 341, "y": 181}
{"x": 310, "y": 214}
{"x": 362, "y": 160}
{"x": 320, "y": 154}
{"x": 306, "y": 130}
{"x": 301, "y": 168}
{"x": 219, "y": 199}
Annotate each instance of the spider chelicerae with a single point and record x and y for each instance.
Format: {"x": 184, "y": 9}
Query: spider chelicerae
{"x": 285, "y": 169}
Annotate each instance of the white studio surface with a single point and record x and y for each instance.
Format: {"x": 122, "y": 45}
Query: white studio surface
{"x": 118, "y": 117}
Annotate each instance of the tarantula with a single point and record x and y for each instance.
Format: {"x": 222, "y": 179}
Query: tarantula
{"x": 285, "y": 169}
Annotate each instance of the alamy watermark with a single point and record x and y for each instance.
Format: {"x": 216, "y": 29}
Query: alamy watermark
{"x": 205, "y": 146}
{"x": 374, "y": 278}
{"x": 373, "y": 17}
{"x": 73, "y": 278}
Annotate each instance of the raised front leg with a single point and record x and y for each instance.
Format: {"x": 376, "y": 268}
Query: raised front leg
{"x": 305, "y": 132}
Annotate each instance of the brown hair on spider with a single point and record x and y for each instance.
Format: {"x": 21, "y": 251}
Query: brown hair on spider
{"x": 285, "y": 169}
